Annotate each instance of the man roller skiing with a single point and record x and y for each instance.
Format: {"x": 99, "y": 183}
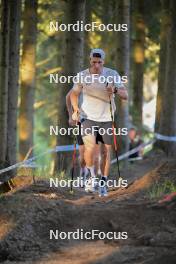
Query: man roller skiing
{"x": 99, "y": 152}
{"x": 97, "y": 84}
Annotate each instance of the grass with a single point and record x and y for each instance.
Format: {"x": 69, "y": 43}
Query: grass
{"x": 42, "y": 173}
{"x": 158, "y": 190}
{"x": 37, "y": 174}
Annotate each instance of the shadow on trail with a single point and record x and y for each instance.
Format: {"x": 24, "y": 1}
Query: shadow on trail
{"x": 31, "y": 212}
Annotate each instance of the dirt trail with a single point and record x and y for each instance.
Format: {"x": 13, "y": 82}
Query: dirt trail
{"x": 29, "y": 213}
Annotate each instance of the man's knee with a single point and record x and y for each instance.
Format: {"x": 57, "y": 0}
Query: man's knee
{"x": 107, "y": 152}
{"x": 81, "y": 150}
{"x": 89, "y": 143}
{"x": 103, "y": 151}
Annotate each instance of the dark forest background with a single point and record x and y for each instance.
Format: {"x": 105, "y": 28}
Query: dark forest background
{"x": 30, "y": 52}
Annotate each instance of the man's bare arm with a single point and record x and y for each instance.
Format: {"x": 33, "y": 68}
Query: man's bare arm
{"x": 69, "y": 109}
{"x": 74, "y": 100}
{"x": 68, "y": 103}
{"x": 122, "y": 93}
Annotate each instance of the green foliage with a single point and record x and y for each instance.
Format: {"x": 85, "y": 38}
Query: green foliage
{"x": 49, "y": 54}
{"x": 151, "y": 14}
{"x": 160, "y": 189}
{"x": 48, "y": 61}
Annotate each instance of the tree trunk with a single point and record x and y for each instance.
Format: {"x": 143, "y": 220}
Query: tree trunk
{"x": 28, "y": 76}
{"x": 108, "y": 15}
{"x": 72, "y": 63}
{"x": 165, "y": 25}
{"x": 15, "y": 19}
{"x": 138, "y": 58}
{"x": 88, "y": 19}
{"x": 123, "y": 64}
{"x": 4, "y": 64}
{"x": 168, "y": 114}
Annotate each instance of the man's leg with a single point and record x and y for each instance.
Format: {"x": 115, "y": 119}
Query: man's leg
{"x": 105, "y": 168}
{"x": 89, "y": 143}
{"x": 103, "y": 155}
{"x": 106, "y": 160}
{"x": 81, "y": 156}
{"x": 97, "y": 158}
{"x": 105, "y": 164}
{"x": 83, "y": 169}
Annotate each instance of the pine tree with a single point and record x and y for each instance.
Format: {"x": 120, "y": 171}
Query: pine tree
{"x": 4, "y": 65}
{"x": 13, "y": 84}
{"x": 123, "y": 62}
{"x": 138, "y": 59}
{"x": 28, "y": 75}
{"x": 72, "y": 64}
{"x": 168, "y": 114}
{"x": 165, "y": 25}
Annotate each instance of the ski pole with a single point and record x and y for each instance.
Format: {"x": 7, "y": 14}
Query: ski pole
{"x": 73, "y": 165}
{"x": 114, "y": 137}
{"x": 73, "y": 161}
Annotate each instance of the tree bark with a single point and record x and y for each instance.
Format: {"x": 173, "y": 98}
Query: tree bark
{"x": 72, "y": 64}
{"x": 88, "y": 19}
{"x": 28, "y": 76}
{"x": 4, "y": 64}
{"x": 138, "y": 61}
{"x": 13, "y": 85}
{"x": 168, "y": 114}
{"x": 123, "y": 64}
{"x": 165, "y": 25}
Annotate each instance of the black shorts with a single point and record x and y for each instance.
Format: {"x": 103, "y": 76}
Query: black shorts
{"x": 79, "y": 137}
{"x": 102, "y": 129}
{"x": 80, "y": 140}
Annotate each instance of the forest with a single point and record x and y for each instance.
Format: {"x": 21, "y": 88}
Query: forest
{"x": 43, "y": 45}
{"x": 34, "y": 52}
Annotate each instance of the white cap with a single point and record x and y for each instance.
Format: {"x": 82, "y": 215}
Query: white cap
{"x": 97, "y": 53}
